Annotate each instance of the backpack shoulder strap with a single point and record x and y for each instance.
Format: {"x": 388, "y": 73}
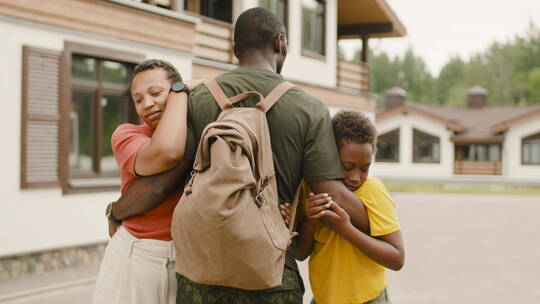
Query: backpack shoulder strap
{"x": 219, "y": 96}
{"x": 274, "y": 96}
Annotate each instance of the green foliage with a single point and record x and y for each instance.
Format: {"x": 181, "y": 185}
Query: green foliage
{"x": 533, "y": 85}
{"x": 510, "y": 71}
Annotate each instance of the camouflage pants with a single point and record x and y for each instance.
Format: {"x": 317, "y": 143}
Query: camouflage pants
{"x": 291, "y": 291}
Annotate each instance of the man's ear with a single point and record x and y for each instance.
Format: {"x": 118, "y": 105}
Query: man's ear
{"x": 278, "y": 43}
{"x": 234, "y": 50}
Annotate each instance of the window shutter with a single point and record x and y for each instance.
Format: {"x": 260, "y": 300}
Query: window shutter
{"x": 40, "y": 118}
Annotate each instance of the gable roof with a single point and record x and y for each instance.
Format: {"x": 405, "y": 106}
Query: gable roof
{"x": 472, "y": 125}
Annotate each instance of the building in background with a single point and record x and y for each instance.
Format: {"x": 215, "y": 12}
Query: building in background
{"x": 426, "y": 142}
{"x": 66, "y": 65}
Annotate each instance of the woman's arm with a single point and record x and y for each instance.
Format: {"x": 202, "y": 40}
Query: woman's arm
{"x": 166, "y": 147}
{"x": 386, "y": 250}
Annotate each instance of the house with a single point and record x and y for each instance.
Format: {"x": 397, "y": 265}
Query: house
{"x": 428, "y": 142}
{"x": 66, "y": 65}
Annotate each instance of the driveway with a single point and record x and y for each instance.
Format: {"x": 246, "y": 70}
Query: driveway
{"x": 468, "y": 248}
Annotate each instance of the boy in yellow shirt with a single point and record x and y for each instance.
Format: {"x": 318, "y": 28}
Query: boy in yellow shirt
{"x": 346, "y": 265}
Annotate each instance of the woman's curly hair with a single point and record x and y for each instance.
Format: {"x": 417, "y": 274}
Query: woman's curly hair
{"x": 354, "y": 126}
{"x": 172, "y": 73}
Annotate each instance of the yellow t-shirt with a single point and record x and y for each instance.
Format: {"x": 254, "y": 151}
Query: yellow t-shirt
{"x": 339, "y": 272}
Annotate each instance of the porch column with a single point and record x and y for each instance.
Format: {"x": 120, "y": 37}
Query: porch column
{"x": 365, "y": 48}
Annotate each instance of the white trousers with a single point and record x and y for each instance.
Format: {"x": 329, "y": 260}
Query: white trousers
{"x": 136, "y": 271}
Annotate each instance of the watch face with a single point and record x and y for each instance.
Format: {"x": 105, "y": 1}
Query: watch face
{"x": 178, "y": 86}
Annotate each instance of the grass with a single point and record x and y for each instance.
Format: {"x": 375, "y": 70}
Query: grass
{"x": 394, "y": 186}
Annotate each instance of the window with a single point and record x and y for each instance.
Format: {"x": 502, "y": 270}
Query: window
{"x": 530, "y": 150}
{"x": 168, "y": 4}
{"x": 95, "y": 100}
{"x": 313, "y": 27}
{"x": 479, "y": 152}
{"x": 100, "y": 102}
{"x": 426, "y": 147}
{"x": 279, "y": 7}
{"x": 388, "y": 147}
{"x": 215, "y": 9}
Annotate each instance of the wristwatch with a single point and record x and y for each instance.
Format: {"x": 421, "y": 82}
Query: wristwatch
{"x": 179, "y": 86}
{"x": 108, "y": 213}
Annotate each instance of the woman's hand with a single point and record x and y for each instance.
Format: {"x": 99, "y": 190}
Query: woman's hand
{"x": 194, "y": 83}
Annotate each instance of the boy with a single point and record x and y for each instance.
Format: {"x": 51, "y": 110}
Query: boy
{"x": 347, "y": 265}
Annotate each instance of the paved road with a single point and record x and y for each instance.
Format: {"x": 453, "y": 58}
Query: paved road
{"x": 468, "y": 248}
{"x": 461, "y": 248}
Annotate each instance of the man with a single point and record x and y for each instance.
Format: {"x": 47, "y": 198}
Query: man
{"x": 303, "y": 146}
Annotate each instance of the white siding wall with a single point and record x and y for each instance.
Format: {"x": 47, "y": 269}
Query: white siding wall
{"x": 406, "y": 168}
{"x": 301, "y": 68}
{"x": 42, "y": 219}
{"x": 512, "y": 151}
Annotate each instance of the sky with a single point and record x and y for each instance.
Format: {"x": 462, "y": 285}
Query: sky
{"x": 439, "y": 29}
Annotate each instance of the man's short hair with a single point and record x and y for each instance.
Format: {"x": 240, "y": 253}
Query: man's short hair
{"x": 354, "y": 127}
{"x": 172, "y": 73}
{"x": 256, "y": 29}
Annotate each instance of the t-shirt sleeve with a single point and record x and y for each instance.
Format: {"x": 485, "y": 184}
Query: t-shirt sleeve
{"x": 191, "y": 143}
{"x": 198, "y": 116}
{"x": 126, "y": 142}
{"x": 381, "y": 209}
{"x": 321, "y": 159}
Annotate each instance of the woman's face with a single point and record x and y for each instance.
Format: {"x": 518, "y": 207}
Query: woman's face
{"x": 149, "y": 90}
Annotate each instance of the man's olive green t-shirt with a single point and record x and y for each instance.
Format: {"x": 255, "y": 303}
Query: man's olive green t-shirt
{"x": 301, "y": 132}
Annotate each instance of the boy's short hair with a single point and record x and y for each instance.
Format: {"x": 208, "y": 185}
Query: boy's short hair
{"x": 354, "y": 126}
{"x": 172, "y": 73}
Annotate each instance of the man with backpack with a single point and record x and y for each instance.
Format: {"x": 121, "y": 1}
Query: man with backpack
{"x": 302, "y": 146}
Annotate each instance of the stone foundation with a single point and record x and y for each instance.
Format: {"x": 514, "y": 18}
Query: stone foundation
{"x": 20, "y": 265}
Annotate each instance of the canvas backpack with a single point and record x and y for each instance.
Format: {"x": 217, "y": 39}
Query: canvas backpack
{"x": 227, "y": 227}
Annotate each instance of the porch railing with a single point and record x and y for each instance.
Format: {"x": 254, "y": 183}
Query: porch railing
{"x": 353, "y": 75}
{"x": 477, "y": 167}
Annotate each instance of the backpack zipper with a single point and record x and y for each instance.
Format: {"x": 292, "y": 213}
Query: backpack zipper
{"x": 189, "y": 186}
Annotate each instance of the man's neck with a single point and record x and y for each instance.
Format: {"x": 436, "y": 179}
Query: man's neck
{"x": 257, "y": 60}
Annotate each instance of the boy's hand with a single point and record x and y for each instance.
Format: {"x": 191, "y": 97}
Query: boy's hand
{"x": 316, "y": 205}
{"x": 336, "y": 218}
{"x": 286, "y": 212}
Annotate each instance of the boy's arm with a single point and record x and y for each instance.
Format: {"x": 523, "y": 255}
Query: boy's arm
{"x": 303, "y": 244}
{"x": 147, "y": 192}
{"x": 314, "y": 206}
{"x": 386, "y": 250}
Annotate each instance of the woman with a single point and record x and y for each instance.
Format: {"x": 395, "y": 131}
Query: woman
{"x": 138, "y": 266}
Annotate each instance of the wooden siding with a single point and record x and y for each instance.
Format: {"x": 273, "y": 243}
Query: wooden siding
{"x": 353, "y": 75}
{"x": 40, "y": 118}
{"x": 477, "y": 167}
{"x": 108, "y": 19}
{"x": 214, "y": 41}
{"x": 330, "y": 97}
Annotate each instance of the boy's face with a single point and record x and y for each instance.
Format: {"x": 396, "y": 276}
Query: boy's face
{"x": 356, "y": 160}
{"x": 149, "y": 90}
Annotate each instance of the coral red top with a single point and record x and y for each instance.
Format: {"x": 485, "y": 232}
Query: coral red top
{"x": 126, "y": 141}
